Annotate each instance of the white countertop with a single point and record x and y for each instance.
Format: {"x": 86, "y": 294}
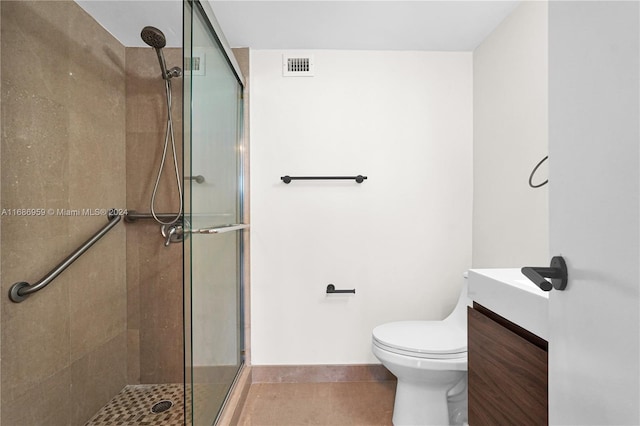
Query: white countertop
{"x": 511, "y": 295}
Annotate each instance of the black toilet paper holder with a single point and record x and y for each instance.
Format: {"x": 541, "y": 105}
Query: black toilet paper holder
{"x": 331, "y": 289}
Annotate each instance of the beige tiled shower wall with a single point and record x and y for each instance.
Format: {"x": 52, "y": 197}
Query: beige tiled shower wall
{"x": 82, "y": 130}
{"x": 154, "y": 272}
{"x": 64, "y": 350}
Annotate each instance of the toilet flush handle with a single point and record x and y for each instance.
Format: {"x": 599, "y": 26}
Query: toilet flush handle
{"x": 557, "y": 272}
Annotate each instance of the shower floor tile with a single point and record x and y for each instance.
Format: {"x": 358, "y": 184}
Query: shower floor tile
{"x": 132, "y": 406}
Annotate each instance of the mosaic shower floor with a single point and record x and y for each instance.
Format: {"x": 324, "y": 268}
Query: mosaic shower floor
{"x": 132, "y": 406}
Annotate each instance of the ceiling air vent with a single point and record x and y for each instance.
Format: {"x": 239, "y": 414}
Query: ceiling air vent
{"x": 297, "y": 66}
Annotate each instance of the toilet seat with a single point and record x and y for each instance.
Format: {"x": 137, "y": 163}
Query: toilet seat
{"x": 422, "y": 339}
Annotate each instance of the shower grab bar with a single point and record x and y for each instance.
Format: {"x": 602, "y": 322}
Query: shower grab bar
{"x": 220, "y": 229}
{"x": 288, "y": 179}
{"x": 21, "y": 290}
{"x": 133, "y": 216}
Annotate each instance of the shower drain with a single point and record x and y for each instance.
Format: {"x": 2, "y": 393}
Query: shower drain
{"x": 161, "y": 407}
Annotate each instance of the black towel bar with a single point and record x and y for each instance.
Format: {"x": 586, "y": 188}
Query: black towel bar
{"x": 288, "y": 179}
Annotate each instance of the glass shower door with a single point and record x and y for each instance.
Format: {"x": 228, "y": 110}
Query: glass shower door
{"x": 213, "y": 208}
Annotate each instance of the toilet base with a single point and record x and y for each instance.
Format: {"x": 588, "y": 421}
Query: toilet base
{"x": 458, "y": 403}
{"x": 424, "y": 388}
{"x": 417, "y": 404}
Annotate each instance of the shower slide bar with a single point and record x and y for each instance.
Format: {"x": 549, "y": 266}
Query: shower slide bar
{"x": 288, "y": 179}
{"x": 21, "y": 290}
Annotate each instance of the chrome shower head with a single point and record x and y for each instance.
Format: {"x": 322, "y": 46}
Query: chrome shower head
{"x": 153, "y": 37}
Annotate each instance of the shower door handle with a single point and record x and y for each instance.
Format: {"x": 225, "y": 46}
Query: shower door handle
{"x": 221, "y": 229}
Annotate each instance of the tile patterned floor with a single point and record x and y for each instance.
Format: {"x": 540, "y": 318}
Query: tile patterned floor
{"x": 132, "y": 406}
{"x": 277, "y": 404}
{"x": 326, "y": 404}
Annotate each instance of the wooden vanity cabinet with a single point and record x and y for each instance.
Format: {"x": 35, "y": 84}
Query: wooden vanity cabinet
{"x": 507, "y": 372}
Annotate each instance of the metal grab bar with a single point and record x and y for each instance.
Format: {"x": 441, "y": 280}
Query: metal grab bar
{"x": 220, "y": 229}
{"x": 133, "y": 216}
{"x": 21, "y": 290}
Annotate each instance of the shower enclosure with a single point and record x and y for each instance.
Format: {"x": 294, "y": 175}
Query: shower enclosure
{"x": 214, "y": 209}
{"x": 130, "y": 322}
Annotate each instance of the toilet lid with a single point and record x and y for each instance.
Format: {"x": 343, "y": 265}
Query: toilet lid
{"x": 436, "y": 338}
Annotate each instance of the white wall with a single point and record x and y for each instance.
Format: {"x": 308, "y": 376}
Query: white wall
{"x": 402, "y": 238}
{"x": 510, "y": 106}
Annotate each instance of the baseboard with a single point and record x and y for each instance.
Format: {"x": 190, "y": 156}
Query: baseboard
{"x": 237, "y": 396}
{"x": 319, "y": 373}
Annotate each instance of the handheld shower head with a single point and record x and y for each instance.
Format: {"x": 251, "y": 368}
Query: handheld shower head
{"x": 156, "y": 39}
{"x": 153, "y": 37}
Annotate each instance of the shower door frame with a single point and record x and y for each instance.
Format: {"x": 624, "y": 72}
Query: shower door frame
{"x": 206, "y": 12}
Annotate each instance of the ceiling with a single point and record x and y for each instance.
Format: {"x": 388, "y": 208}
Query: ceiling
{"x": 447, "y": 25}
{"x": 124, "y": 19}
{"x": 370, "y": 25}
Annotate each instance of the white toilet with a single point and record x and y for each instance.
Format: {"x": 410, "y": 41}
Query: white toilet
{"x": 429, "y": 358}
